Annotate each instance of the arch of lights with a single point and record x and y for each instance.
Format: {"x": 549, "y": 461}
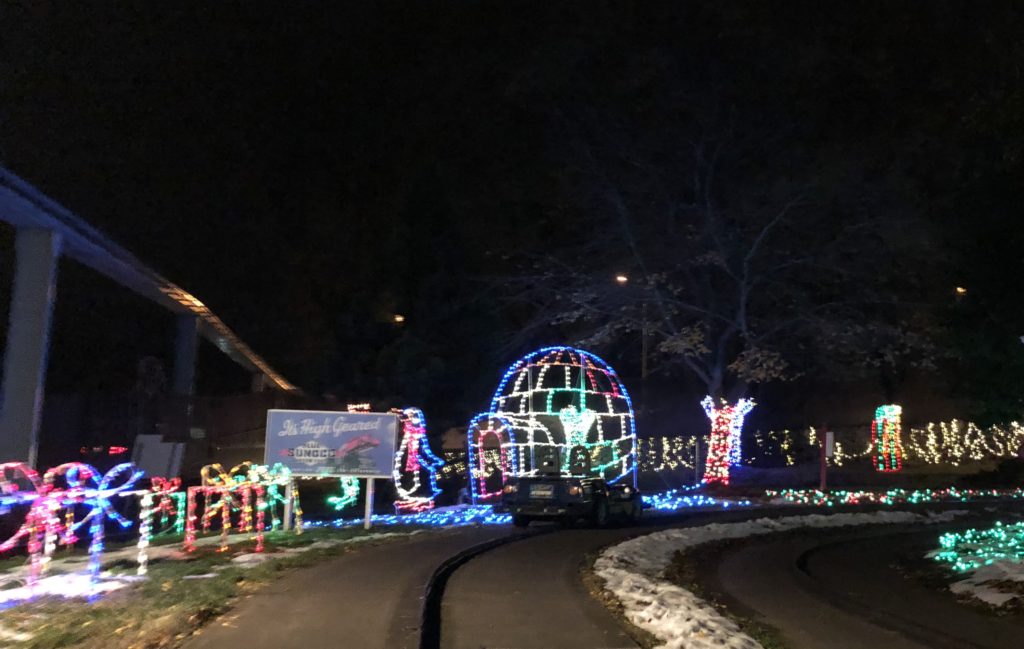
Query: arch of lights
{"x": 555, "y": 399}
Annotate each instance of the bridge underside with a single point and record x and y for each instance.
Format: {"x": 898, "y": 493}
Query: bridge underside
{"x": 44, "y": 231}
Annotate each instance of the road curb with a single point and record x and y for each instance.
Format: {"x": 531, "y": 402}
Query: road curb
{"x": 430, "y": 616}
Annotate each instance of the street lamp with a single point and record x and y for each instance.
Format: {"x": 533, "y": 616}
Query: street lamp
{"x": 621, "y": 280}
{"x": 398, "y": 318}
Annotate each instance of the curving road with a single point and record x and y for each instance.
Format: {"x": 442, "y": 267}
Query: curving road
{"x": 834, "y": 590}
{"x": 529, "y": 594}
{"x": 843, "y": 593}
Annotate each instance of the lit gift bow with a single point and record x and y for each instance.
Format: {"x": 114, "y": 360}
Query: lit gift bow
{"x": 43, "y": 527}
{"x": 169, "y": 502}
{"x": 86, "y": 486}
{"x": 216, "y": 482}
{"x": 418, "y": 457}
{"x": 247, "y": 483}
{"x": 273, "y": 478}
{"x": 20, "y": 485}
{"x": 13, "y": 493}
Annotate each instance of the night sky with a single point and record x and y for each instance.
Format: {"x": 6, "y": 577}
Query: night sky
{"x": 310, "y": 170}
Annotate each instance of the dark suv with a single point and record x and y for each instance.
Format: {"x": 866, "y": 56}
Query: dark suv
{"x": 568, "y": 500}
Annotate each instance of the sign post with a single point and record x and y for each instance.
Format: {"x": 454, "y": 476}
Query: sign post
{"x": 696, "y": 460}
{"x": 369, "y": 504}
{"x": 827, "y": 449}
{"x": 289, "y": 501}
{"x": 318, "y": 443}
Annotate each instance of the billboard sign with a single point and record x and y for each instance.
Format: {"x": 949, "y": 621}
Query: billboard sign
{"x": 328, "y": 443}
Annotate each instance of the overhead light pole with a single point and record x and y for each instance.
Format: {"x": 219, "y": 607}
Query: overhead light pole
{"x": 622, "y": 279}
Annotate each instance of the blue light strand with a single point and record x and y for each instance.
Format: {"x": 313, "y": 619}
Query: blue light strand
{"x": 470, "y": 515}
{"x": 671, "y": 500}
{"x": 682, "y": 498}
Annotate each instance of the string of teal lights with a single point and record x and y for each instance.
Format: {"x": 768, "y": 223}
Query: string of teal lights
{"x": 969, "y": 550}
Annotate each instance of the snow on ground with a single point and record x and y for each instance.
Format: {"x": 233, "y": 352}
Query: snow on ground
{"x": 68, "y": 586}
{"x": 633, "y": 571}
{"x": 976, "y": 585}
{"x": 989, "y": 557}
{"x": 14, "y": 636}
{"x": 76, "y": 584}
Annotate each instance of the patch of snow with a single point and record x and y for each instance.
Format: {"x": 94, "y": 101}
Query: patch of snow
{"x": 72, "y": 585}
{"x": 986, "y": 594}
{"x": 946, "y": 516}
{"x": 977, "y": 584}
{"x": 633, "y": 571}
{"x": 250, "y": 559}
{"x": 15, "y": 636}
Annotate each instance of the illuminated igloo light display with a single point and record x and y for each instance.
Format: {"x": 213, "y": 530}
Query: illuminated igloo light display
{"x": 558, "y": 402}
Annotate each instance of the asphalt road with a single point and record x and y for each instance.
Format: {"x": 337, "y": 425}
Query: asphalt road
{"x": 528, "y": 594}
{"x": 370, "y": 598}
{"x": 843, "y": 593}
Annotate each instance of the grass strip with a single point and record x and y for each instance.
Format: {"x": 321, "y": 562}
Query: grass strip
{"x": 178, "y": 597}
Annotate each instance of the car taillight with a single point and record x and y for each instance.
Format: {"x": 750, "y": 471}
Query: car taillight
{"x": 575, "y": 490}
{"x": 510, "y": 489}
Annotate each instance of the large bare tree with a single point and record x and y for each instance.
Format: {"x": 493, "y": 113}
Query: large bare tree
{"x": 742, "y": 265}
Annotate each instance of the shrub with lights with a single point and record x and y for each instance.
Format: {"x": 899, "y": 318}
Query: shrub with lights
{"x": 555, "y": 401}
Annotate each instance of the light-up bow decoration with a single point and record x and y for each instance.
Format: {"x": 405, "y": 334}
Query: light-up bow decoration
{"x": 63, "y": 487}
{"x": 169, "y": 502}
{"x": 86, "y": 485}
{"x": 20, "y": 485}
{"x": 245, "y": 483}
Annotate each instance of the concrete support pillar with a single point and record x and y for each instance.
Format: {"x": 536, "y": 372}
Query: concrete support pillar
{"x": 259, "y": 382}
{"x": 28, "y": 341}
{"x": 186, "y": 344}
